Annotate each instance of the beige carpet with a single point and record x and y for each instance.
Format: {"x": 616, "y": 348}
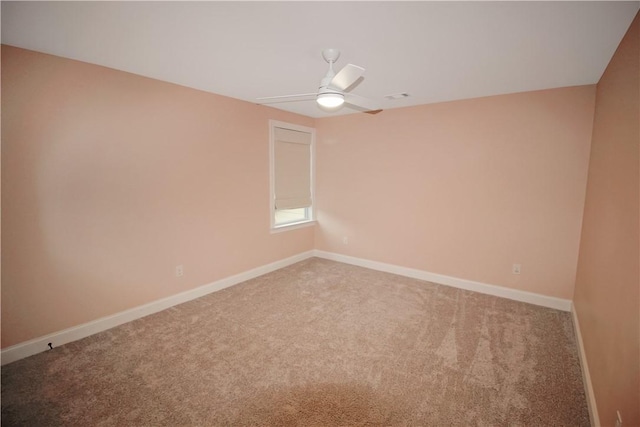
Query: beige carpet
{"x": 318, "y": 343}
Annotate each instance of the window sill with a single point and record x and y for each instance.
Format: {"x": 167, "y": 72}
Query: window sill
{"x": 293, "y": 226}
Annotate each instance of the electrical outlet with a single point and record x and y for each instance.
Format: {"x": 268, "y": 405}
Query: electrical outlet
{"x": 516, "y": 268}
{"x": 618, "y": 419}
{"x": 179, "y": 271}
{"x": 345, "y": 240}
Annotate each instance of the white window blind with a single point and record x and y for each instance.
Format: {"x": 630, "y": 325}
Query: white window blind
{"x": 292, "y": 169}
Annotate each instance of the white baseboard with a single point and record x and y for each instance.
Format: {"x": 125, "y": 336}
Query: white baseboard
{"x": 586, "y": 377}
{"x": 484, "y": 288}
{"x": 38, "y": 345}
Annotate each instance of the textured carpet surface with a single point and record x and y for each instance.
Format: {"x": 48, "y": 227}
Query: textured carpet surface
{"x": 318, "y": 343}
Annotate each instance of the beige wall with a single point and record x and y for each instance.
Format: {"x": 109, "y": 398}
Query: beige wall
{"x": 607, "y": 295}
{"x": 110, "y": 180}
{"x": 463, "y": 188}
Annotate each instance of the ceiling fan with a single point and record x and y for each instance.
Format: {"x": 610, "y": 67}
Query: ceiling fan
{"x": 334, "y": 89}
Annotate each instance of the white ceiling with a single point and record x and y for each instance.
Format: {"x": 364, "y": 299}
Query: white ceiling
{"x": 435, "y": 51}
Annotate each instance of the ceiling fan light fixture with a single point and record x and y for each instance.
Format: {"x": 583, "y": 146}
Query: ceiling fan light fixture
{"x": 330, "y": 100}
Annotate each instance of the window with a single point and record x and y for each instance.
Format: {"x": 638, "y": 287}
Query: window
{"x": 292, "y": 170}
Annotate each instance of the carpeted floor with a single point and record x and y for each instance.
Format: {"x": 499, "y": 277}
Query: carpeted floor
{"x": 318, "y": 343}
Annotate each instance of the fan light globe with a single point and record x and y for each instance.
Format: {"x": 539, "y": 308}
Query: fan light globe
{"x": 330, "y": 100}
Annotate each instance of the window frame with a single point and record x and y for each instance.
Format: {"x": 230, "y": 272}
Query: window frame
{"x": 310, "y": 220}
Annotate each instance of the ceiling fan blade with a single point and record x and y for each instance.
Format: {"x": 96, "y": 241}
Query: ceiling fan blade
{"x": 361, "y": 103}
{"x": 287, "y": 98}
{"x": 346, "y": 77}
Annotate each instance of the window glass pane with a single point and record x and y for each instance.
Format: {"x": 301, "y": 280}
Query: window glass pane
{"x": 291, "y": 174}
{"x": 288, "y": 216}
